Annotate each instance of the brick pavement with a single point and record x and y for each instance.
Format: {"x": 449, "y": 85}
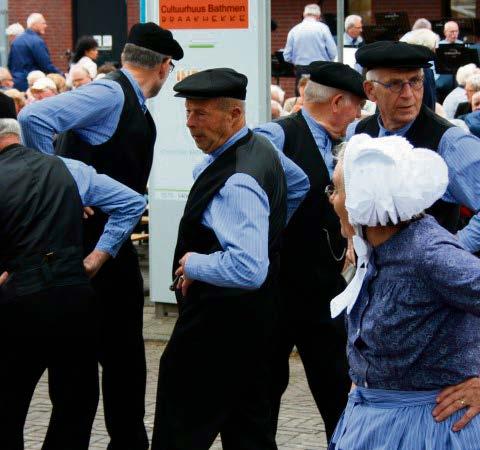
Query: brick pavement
{"x": 300, "y": 426}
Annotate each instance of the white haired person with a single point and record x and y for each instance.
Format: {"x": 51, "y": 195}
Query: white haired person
{"x": 353, "y": 31}
{"x": 413, "y": 307}
{"x": 29, "y": 52}
{"x": 459, "y": 95}
{"x": 43, "y": 88}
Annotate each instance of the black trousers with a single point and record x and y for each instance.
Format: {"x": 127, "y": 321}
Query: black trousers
{"x": 119, "y": 288}
{"x": 213, "y": 378}
{"x": 321, "y": 343}
{"x": 55, "y": 329}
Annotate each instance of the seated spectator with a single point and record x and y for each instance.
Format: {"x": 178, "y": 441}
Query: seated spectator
{"x": 43, "y": 88}
{"x": 18, "y": 97}
{"x": 85, "y": 55}
{"x": 79, "y": 76}
{"x": 472, "y": 85}
{"x": 59, "y": 81}
{"x": 429, "y": 39}
{"x": 459, "y": 95}
{"x": 33, "y": 76}
{"x": 277, "y": 93}
{"x": 294, "y": 104}
{"x": 277, "y": 110}
{"x": 6, "y": 79}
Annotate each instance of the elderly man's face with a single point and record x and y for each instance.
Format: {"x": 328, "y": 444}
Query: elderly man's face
{"x": 356, "y": 30}
{"x": 79, "y": 78}
{"x": 396, "y": 109}
{"x": 351, "y": 109}
{"x": 6, "y": 80}
{"x": 337, "y": 199}
{"x": 210, "y": 125}
{"x": 45, "y": 93}
{"x": 470, "y": 91}
{"x": 451, "y": 32}
{"x": 40, "y": 27}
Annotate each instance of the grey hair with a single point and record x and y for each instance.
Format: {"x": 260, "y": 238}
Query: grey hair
{"x": 141, "y": 57}
{"x": 277, "y": 93}
{"x": 33, "y": 19}
{"x": 464, "y": 72}
{"x": 350, "y": 21}
{"x": 33, "y": 76}
{"x": 9, "y": 126}
{"x": 14, "y": 29}
{"x": 82, "y": 69}
{"x": 312, "y": 10}
{"x": 318, "y": 93}
{"x": 474, "y": 81}
{"x": 422, "y": 23}
{"x": 422, "y": 36}
{"x": 226, "y": 103}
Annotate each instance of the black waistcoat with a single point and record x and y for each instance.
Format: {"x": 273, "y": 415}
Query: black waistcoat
{"x": 426, "y": 132}
{"x": 127, "y": 156}
{"x": 254, "y": 156}
{"x": 312, "y": 241}
{"x": 40, "y": 211}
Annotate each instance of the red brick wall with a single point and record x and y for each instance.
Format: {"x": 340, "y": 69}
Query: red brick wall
{"x": 58, "y": 14}
{"x": 133, "y": 12}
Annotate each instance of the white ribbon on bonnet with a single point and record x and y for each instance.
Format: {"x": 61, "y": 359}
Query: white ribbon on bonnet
{"x": 387, "y": 181}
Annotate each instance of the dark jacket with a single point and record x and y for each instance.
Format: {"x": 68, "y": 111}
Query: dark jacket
{"x": 29, "y": 52}
{"x": 473, "y": 122}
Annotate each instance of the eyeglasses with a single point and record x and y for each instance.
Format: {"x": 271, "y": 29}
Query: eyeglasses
{"x": 331, "y": 189}
{"x": 397, "y": 85}
{"x": 172, "y": 66}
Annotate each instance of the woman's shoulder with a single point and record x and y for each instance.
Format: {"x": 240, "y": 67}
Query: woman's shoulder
{"x": 428, "y": 233}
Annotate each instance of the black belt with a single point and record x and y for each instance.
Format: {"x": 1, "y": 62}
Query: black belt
{"x": 28, "y": 275}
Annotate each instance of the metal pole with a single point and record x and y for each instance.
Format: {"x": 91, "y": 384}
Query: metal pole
{"x": 340, "y": 27}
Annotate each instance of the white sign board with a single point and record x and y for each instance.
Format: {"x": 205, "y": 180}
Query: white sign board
{"x": 213, "y": 33}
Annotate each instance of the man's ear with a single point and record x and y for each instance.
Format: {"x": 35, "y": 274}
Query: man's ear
{"x": 335, "y": 102}
{"x": 369, "y": 89}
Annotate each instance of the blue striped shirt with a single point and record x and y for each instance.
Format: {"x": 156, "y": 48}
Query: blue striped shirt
{"x": 93, "y": 111}
{"x": 123, "y": 205}
{"x": 275, "y": 134}
{"x": 461, "y": 152}
{"x": 309, "y": 41}
{"x": 238, "y": 214}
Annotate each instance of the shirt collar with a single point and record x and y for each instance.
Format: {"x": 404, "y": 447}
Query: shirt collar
{"x": 236, "y": 137}
{"x": 313, "y": 124}
{"x": 400, "y": 132}
{"x": 136, "y": 88}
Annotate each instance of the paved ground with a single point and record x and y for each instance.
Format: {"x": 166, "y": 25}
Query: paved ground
{"x": 300, "y": 426}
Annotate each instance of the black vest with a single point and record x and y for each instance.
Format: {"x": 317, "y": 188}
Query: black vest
{"x": 254, "y": 156}
{"x": 40, "y": 218}
{"x": 126, "y": 157}
{"x": 312, "y": 240}
{"x": 426, "y": 132}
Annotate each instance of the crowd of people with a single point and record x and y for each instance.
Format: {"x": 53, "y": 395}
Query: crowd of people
{"x": 31, "y": 76}
{"x": 362, "y": 173}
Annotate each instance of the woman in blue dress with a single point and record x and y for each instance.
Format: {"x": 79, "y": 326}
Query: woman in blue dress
{"x": 412, "y": 309}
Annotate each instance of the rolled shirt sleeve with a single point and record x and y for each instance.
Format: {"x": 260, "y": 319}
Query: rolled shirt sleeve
{"x": 123, "y": 205}
{"x": 93, "y": 111}
{"x": 461, "y": 152}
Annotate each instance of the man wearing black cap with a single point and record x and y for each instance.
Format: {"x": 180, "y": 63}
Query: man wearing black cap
{"x": 313, "y": 250}
{"x": 395, "y": 82}
{"x": 107, "y": 125}
{"x": 213, "y": 375}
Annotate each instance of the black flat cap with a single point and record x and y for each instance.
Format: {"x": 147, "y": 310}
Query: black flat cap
{"x": 213, "y": 83}
{"x": 337, "y": 75}
{"x": 395, "y": 55}
{"x": 150, "y": 35}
